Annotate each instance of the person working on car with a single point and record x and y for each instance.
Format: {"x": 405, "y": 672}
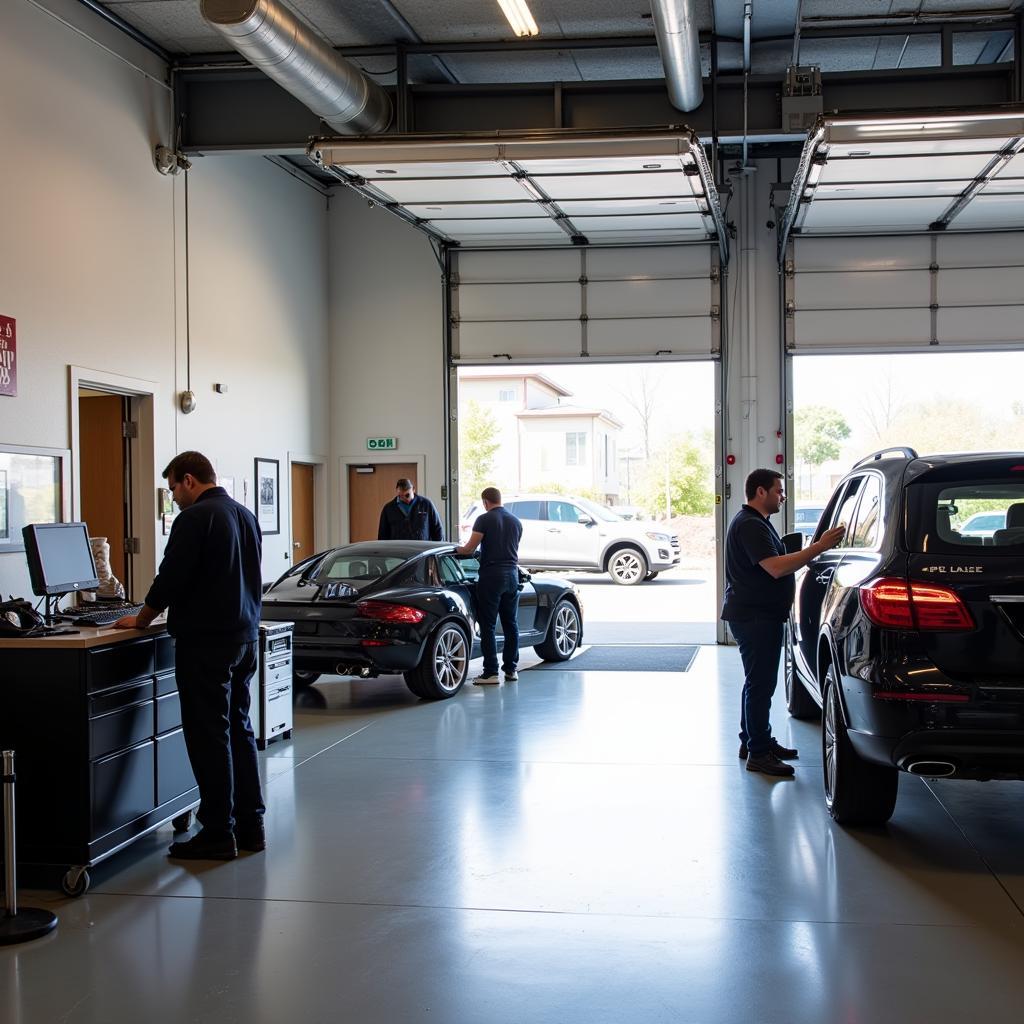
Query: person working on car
{"x": 409, "y": 516}
{"x": 211, "y": 581}
{"x": 759, "y": 588}
{"x": 498, "y": 533}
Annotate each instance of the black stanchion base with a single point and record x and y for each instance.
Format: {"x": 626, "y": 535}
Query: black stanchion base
{"x": 29, "y": 923}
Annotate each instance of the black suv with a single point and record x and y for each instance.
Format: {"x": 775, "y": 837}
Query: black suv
{"x": 910, "y": 635}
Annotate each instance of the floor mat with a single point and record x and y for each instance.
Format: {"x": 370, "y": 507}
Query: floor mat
{"x": 626, "y": 658}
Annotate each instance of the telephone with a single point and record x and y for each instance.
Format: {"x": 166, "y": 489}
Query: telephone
{"x": 19, "y": 619}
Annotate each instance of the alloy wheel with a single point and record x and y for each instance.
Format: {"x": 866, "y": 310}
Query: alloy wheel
{"x": 627, "y": 567}
{"x": 567, "y": 630}
{"x": 450, "y": 658}
{"x": 829, "y": 743}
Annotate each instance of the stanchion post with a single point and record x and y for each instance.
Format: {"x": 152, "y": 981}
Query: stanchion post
{"x": 29, "y": 922}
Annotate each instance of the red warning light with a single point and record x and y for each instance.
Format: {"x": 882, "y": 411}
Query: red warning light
{"x": 730, "y": 460}
{"x": 778, "y": 459}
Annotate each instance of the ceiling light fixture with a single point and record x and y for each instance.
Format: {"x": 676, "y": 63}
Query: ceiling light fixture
{"x": 519, "y": 17}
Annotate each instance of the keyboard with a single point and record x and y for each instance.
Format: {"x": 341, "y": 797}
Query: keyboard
{"x": 100, "y": 616}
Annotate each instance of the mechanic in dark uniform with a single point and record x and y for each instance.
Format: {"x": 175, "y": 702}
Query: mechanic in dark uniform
{"x": 211, "y": 582}
{"x": 497, "y": 588}
{"x": 759, "y": 589}
{"x": 409, "y": 516}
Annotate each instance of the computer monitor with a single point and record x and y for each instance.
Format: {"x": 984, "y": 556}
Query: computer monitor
{"x": 59, "y": 558}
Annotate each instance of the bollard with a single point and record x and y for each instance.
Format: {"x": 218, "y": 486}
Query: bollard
{"x": 28, "y": 922}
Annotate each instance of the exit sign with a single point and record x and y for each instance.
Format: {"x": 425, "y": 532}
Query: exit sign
{"x": 381, "y": 444}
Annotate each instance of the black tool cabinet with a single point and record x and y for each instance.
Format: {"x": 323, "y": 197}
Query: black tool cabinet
{"x": 95, "y": 725}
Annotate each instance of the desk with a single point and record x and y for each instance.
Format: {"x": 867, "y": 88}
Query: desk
{"x": 95, "y": 723}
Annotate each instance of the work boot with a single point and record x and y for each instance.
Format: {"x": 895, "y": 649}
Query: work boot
{"x": 202, "y": 847}
{"x": 252, "y": 836}
{"x": 769, "y": 764}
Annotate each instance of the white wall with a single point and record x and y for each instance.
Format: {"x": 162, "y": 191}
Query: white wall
{"x": 92, "y": 263}
{"x": 387, "y": 370}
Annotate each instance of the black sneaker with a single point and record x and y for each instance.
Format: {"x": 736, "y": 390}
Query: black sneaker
{"x": 769, "y": 764}
{"x": 251, "y": 837}
{"x": 199, "y": 847}
{"x": 781, "y": 752}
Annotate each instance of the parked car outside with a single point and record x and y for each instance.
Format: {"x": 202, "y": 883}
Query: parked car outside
{"x": 806, "y": 518}
{"x": 983, "y": 524}
{"x": 563, "y": 532}
{"x": 910, "y": 634}
{"x": 409, "y": 607}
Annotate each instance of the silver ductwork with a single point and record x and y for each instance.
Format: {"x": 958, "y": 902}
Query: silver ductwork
{"x": 289, "y": 51}
{"x": 675, "y": 25}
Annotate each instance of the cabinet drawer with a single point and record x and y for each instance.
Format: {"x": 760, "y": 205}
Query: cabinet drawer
{"x": 123, "y": 788}
{"x": 121, "y": 697}
{"x": 173, "y": 771}
{"x": 165, "y": 684}
{"x": 168, "y": 712}
{"x": 121, "y": 728}
{"x": 120, "y": 664}
{"x": 163, "y": 647}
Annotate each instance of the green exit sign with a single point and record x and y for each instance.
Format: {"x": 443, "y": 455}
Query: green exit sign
{"x": 381, "y": 444}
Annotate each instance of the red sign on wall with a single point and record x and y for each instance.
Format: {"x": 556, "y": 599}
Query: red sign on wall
{"x": 8, "y": 356}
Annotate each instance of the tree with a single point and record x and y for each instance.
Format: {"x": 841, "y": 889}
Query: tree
{"x": 819, "y": 431}
{"x": 478, "y": 443}
{"x": 641, "y": 400}
{"x": 681, "y": 469}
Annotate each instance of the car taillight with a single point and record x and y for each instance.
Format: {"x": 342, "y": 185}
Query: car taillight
{"x": 388, "y": 612}
{"x": 897, "y": 604}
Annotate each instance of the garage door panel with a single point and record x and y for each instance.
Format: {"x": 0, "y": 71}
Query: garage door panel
{"x": 649, "y": 298}
{"x": 859, "y": 215}
{"x": 518, "y": 341}
{"x": 980, "y": 286}
{"x": 850, "y": 290}
{"x": 661, "y": 261}
{"x": 688, "y": 337}
{"x": 966, "y": 327}
{"x": 980, "y": 250}
{"x": 868, "y": 328}
{"x": 545, "y": 265}
{"x": 855, "y": 254}
{"x": 515, "y": 301}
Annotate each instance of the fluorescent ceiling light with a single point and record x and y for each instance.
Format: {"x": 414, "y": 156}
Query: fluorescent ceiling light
{"x": 519, "y": 17}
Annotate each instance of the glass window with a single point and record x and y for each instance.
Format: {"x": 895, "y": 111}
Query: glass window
{"x": 986, "y": 514}
{"x": 524, "y": 509}
{"x": 843, "y": 515}
{"x": 869, "y": 512}
{"x": 360, "y": 568}
{"x": 33, "y": 489}
{"x": 564, "y": 512}
{"x": 450, "y": 571}
{"x": 575, "y": 448}
{"x": 507, "y": 395}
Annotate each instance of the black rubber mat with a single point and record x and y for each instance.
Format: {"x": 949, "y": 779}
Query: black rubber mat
{"x": 626, "y": 658}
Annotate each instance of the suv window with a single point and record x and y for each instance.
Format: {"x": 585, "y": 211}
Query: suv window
{"x": 525, "y": 509}
{"x": 865, "y": 534}
{"x": 844, "y": 509}
{"x": 564, "y": 512}
{"x": 945, "y": 510}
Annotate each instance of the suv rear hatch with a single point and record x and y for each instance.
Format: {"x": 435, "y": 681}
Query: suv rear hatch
{"x": 985, "y": 574}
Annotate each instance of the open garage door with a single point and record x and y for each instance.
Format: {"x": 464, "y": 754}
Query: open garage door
{"x": 904, "y": 233}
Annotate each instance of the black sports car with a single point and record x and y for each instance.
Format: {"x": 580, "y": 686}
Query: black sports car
{"x": 382, "y": 607}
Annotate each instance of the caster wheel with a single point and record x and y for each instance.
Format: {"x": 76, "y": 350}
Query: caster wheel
{"x": 75, "y": 882}
{"x": 183, "y": 822}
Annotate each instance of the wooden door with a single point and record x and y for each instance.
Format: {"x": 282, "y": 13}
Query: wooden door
{"x": 369, "y": 488}
{"x": 303, "y": 538}
{"x": 101, "y": 465}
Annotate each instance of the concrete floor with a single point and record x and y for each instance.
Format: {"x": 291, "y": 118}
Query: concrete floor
{"x": 571, "y": 848}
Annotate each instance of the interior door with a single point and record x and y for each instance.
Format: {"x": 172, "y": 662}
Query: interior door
{"x": 370, "y": 486}
{"x": 303, "y": 536}
{"x": 102, "y": 472}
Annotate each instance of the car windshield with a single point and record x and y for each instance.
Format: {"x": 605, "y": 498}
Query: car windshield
{"x": 359, "y": 567}
{"x": 601, "y": 512}
{"x": 978, "y": 514}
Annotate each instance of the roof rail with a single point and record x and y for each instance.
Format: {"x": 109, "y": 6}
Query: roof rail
{"x": 907, "y": 453}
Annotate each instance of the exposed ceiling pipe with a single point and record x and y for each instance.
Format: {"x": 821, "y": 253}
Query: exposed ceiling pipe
{"x": 748, "y": 11}
{"x": 675, "y": 25}
{"x": 288, "y": 50}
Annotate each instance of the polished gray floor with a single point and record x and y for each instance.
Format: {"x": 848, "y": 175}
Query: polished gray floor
{"x": 577, "y": 847}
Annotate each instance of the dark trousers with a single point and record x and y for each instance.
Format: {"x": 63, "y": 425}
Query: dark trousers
{"x": 760, "y": 643}
{"x": 213, "y": 684}
{"x": 497, "y": 595}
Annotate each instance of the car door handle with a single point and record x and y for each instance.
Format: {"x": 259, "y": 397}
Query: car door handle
{"x": 554, "y": 529}
{"x": 825, "y": 576}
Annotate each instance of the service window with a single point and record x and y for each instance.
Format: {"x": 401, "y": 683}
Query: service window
{"x": 866, "y": 531}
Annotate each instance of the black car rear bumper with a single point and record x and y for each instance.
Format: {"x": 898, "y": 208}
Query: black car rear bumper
{"x": 312, "y": 655}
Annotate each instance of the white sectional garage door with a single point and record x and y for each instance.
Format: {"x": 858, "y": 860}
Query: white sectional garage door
{"x": 602, "y": 304}
{"x": 905, "y": 293}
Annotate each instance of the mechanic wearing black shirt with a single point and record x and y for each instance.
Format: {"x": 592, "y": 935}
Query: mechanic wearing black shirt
{"x": 497, "y": 532}
{"x": 211, "y": 582}
{"x": 410, "y": 516}
{"x": 759, "y": 588}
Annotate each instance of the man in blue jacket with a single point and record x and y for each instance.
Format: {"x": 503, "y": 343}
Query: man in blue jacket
{"x": 211, "y": 582}
{"x": 410, "y": 516}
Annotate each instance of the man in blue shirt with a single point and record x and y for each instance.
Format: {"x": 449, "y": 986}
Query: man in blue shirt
{"x": 211, "y": 582}
{"x": 410, "y": 516}
{"x": 759, "y": 588}
{"x": 497, "y": 532}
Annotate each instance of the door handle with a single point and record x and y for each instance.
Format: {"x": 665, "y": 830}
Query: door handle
{"x": 825, "y": 576}
{"x": 297, "y": 545}
{"x": 554, "y": 529}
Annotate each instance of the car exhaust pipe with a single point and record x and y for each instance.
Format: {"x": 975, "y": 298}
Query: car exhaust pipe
{"x": 352, "y": 670}
{"x": 933, "y": 769}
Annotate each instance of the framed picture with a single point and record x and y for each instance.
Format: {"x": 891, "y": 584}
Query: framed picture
{"x": 268, "y": 495}
{"x": 165, "y": 505}
{"x": 35, "y": 487}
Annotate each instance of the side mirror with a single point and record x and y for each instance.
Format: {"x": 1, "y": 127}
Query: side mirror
{"x": 585, "y": 521}
{"x": 793, "y": 542}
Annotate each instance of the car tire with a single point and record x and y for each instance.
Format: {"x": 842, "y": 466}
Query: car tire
{"x": 563, "y": 635}
{"x": 652, "y": 575}
{"x": 444, "y": 667}
{"x": 627, "y": 566}
{"x": 857, "y": 792}
{"x": 302, "y": 678}
{"x": 799, "y": 702}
